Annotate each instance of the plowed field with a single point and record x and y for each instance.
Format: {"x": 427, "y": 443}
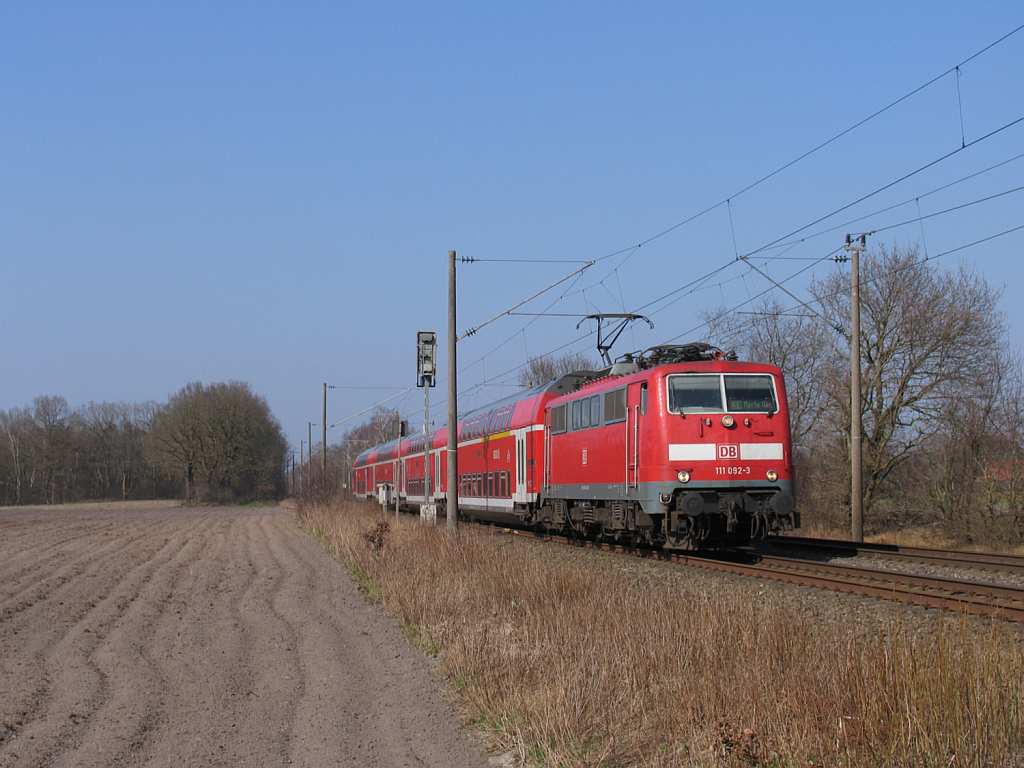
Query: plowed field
{"x": 153, "y": 635}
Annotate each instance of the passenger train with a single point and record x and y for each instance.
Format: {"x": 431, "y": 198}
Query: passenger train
{"x": 684, "y": 448}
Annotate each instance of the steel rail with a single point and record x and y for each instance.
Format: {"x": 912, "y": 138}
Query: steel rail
{"x": 975, "y": 598}
{"x": 949, "y": 557}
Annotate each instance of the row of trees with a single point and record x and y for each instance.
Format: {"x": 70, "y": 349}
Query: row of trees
{"x": 208, "y": 442}
{"x": 942, "y": 397}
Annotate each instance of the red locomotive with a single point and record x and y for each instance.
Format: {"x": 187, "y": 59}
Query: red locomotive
{"x": 684, "y": 448}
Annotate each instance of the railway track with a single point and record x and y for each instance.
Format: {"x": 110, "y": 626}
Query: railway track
{"x": 970, "y": 597}
{"x": 953, "y": 558}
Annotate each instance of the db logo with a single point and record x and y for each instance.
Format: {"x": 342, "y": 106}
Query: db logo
{"x": 728, "y": 451}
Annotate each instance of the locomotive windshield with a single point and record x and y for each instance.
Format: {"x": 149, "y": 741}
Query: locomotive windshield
{"x": 750, "y": 394}
{"x": 695, "y": 393}
{"x": 706, "y": 393}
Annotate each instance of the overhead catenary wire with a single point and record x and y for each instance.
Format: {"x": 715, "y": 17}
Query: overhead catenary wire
{"x": 698, "y": 283}
{"x": 867, "y": 196}
{"x": 632, "y": 249}
{"x": 789, "y": 244}
{"x": 750, "y": 299}
{"x": 363, "y": 386}
{"x": 745, "y": 302}
{"x": 475, "y": 259}
{"x": 889, "y": 185}
{"x": 370, "y": 408}
{"x": 876, "y": 230}
{"x": 952, "y": 209}
{"x": 878, "y": 190}
{"x": 955, "y": 68}
{"x": 932, "y": 257}
{"x": 527, "y": 300}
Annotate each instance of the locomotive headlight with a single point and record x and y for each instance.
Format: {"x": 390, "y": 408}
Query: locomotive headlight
{"x": 772, "y": 475}
{"x": 728, "y": 421}
{"x": 683, "y": 476}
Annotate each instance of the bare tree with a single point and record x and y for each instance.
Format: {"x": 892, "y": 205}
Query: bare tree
{"x": 540, "y": 370}
{"x": 928, "y": 337}
{"x": 51, "y": 416}
{"x": 971, "y": 468}
{"x": 17, "y": 427}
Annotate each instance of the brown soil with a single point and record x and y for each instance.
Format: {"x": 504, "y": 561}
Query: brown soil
{"x": 148, "y": 635}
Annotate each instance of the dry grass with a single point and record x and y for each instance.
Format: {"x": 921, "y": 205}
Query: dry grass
{"x": 572, "y": 662}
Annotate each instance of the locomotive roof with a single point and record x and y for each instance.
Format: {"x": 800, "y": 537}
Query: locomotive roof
{"x": 602, "y": 380}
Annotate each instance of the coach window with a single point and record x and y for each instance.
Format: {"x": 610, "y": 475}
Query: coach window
{"x": 615, "y": 406}
{"x": 558, "y": 420}
{"x": 695, "y": 393}
{"x": 750, "y": 394}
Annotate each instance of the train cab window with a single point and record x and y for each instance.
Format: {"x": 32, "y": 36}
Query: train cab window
{"x": 750, "y": 394}
{"x": 558, "y": 420}
{"x": 576, "y": 414}
{"x": 643, "y": 399}
{"x": 695, "y": 393}
{"x": 614, "y": 406}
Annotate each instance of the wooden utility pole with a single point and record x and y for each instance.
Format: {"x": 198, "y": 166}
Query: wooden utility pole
{"x": 854, "y": 246}
{"x": 302, "y": 466}
{"x": 452, "y": 507}
{"x": 323, "y": 439}
{"x": 309, "y": 453}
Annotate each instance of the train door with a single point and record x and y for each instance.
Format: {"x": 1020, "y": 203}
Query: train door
{"x": 636, "y": 407}
{"x": 520, "y": 496}
{"x": 435, "y": 487}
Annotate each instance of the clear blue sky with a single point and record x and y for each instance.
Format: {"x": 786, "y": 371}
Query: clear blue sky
{"x": 267, "y": 191}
